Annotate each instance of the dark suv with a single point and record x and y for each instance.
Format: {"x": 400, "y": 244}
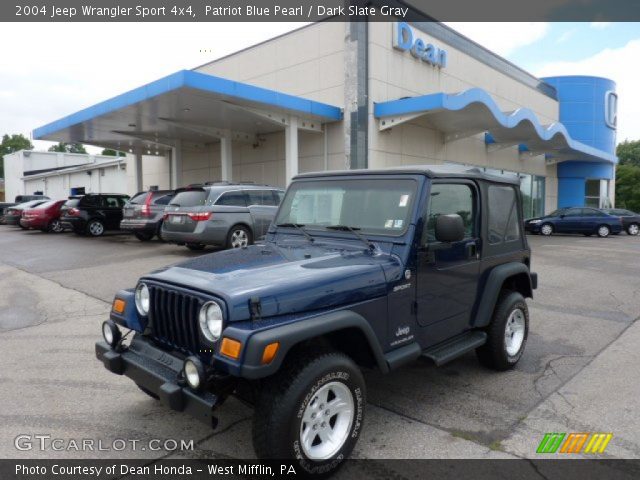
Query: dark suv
{"x": 143, "y": 214}
{"x": 369, "y": 268}
{"x": 230, "y": 215}
{"x": 94, "y": 213}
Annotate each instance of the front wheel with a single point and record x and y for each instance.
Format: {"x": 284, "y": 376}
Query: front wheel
{"x": 633, "y": 229}
{"x": 507, "y": 333}
{"x": 546, "y": 229}
{"x": 603, "y": 231}
{"x": 311, "y": 412}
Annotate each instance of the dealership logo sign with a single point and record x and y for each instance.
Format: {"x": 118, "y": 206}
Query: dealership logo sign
{"x": 611, "y": 109}
{"x": 403, "y": 40}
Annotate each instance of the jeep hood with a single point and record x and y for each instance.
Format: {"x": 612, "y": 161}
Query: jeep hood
{"x": 287, "y": 278}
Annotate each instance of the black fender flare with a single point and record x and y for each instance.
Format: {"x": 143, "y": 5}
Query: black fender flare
{"x": 493, "y": 285}
{"x": 288, "y": 335}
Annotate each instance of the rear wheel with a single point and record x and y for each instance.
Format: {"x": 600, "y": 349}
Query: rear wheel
{"x": 546, "y": 229}
{"x": 143, "y": 236}
{"x": 55, "y": 226}
{"x": 633, "y": 229}
{"x": 239, "y": 236}
{"x": 311, "y": 411}
{"x": 95, "y": 228}
{"x": 195, "y": 246}
{"x": 507, "y": 333}
{"x": 603, "y": 231}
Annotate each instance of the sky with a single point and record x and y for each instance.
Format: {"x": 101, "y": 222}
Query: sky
{"x": 55, "y": 69}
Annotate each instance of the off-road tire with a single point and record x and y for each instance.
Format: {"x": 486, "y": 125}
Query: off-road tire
{"x": 148, "y": 392}
{"x": 143, "y": 236}
{"x": 196, "y": 247}
{"x": 283, "y": 399}
{"x": 493, "y": 354}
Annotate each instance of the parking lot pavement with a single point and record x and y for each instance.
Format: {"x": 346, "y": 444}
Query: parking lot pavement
{"x": 55, "y": 290}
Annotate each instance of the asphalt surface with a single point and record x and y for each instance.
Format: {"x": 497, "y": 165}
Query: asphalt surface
{"x": 579, "y": 372}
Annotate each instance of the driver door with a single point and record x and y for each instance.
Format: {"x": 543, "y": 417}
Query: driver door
{"x": 447, "y": 278}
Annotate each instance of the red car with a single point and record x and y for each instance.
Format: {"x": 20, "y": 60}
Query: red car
{"x": 45, "y": 217}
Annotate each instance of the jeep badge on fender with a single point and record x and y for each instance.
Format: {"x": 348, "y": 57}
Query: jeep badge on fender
{"x": 360, "y": 269}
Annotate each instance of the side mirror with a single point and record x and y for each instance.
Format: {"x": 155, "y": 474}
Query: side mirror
{"x": 449, "y": 228}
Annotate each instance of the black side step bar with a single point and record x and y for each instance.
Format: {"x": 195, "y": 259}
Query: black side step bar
{"x": 450, "y": 349}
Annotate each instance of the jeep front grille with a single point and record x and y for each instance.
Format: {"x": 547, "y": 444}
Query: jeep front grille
{"x": 173, "y": 317}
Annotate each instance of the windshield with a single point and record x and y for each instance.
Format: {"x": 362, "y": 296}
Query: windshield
{"x": 189, "y": 198}
{"x": 374, "y": 206}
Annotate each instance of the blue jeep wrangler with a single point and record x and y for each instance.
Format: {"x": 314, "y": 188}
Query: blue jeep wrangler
{"x": 360, "y": 269}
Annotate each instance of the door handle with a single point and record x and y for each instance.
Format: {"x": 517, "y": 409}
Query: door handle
{"x": 472, "y": 250}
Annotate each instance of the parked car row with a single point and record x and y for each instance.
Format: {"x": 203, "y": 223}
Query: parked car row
{"x": 585, "y": 220}
{"x": 222, "y": 214}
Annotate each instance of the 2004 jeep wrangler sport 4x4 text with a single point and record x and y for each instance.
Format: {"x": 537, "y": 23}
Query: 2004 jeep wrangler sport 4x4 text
{"x": 360, "y": 269}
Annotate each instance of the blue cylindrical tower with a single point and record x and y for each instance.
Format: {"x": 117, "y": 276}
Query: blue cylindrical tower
{"x": 588, "y": 110}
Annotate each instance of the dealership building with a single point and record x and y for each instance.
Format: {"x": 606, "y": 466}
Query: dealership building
{"x": 335, "y": 95}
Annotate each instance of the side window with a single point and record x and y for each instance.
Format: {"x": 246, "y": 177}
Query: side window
{"x": 504, "y": 224}
{"x": 446, "y": 199}
{"x": 259, "y": 197}
{"x": 90, "y": 201}
{"x": 574, "y": 212}
{"x": 232, "y": 199}
{"x": 111, "y": 202}
{"x": 163, "y": 200}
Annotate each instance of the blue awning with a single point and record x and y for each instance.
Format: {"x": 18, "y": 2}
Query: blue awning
{"x": 189, "y": 106}
{"x": 474, "y": 111}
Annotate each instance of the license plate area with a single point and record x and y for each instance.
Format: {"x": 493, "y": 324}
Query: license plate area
{"x": 176, "y": 219}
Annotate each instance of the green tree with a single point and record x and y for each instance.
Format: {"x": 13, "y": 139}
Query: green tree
{"x": 628, "y": 186}
{"x": 12, "y": 144}
{"x": 113, "y": 153}
{"x": 68, "y": 148}
{"x": 629, "y": 152}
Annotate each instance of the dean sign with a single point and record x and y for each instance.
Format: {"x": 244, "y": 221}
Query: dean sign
{"x": 403, "y": 39}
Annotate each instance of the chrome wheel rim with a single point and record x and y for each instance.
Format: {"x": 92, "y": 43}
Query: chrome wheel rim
{"x": 546, "y": 230}
{"x": 603, "y": 231}
{"x": 514, "y": 332}
{"x": 326, "y": 421}
{"x": 634, "y": 229}
{"x": 56, "y": 226}
{"x": 96, "y": 228}
{"x": 239, "y": 238}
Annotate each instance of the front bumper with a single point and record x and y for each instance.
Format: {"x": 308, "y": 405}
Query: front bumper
{"x": 160, "y": 373}
{"x": 532, "y": 227}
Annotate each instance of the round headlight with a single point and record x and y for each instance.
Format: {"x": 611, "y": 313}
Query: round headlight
{"x": 211, "y": 321}
{"x": 111, "y": 333}
{"x": 193, "y": 372}
{"x": 142, "y": 299}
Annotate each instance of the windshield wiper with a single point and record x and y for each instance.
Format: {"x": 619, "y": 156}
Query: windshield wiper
{"x": 354, "y": 230}
{"x": 298, "y": 226}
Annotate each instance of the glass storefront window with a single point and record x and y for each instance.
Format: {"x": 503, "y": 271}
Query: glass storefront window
{"x": 596, "y": 193}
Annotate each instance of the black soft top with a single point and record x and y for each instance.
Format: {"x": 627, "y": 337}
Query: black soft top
{"x": 431, "y": 171}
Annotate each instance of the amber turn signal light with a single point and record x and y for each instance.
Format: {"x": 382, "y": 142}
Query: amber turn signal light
{"x": 269, "y": 352}
{"x": 118, "y": 305}
{"x": 230, "y": 348}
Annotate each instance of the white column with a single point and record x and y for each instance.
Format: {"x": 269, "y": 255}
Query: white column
{"x": 176, "y": 165}
{"x": 138, "y": 170}
{"x": 291, "y": 149}
{"x": 226, "y": 159}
